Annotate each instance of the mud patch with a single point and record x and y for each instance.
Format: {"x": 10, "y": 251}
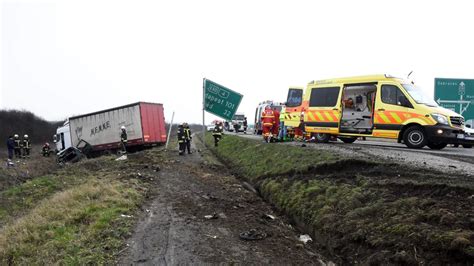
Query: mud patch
{"x": 173, "y": 228}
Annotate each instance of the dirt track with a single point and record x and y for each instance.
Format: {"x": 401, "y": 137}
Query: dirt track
{"x": 172, "y": 228}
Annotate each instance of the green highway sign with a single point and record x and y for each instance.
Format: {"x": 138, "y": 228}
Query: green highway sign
{"x": 457, "y": 95}
{"x": 220, "y": 100}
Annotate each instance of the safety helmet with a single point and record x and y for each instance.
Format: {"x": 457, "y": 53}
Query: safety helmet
{"x": 16, "y": 136}
{"x": 25, "y": 136}
{"x": 47, "y": 144}
{"x": 122, "y": 128}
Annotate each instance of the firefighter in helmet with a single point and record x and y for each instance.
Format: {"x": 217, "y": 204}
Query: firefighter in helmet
{"x": 181, "y": 139}
{"x": 18, "y": 145}
{"x": 268, "y": 120}
{"x": 26, "y": 146}
{"x": 217, "y": 133}
{"x": 46, "y": 150}
{"x": 123, "y": 139}
{"x": 188, "y": 137}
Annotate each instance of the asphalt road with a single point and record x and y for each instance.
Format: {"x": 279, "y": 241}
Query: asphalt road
{"x": 390, "y": 144}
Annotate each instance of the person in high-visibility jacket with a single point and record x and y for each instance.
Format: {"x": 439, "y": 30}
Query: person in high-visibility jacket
{"x": 276, "y": 124}
{"x": 217, "y": 133}
{"x": 46, "y": 150}
{"x": 18, "y": 145}
{"x": 188, "y": 137}
{"x": 181, "y": 139}
{"x": 26, "y": 146}
{"x": 268, "y": 120}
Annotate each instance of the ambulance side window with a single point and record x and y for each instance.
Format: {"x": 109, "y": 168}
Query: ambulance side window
{"x": 295, "y": 97}
{"x": 324, "y": 97}
{"x": 393, "y": 95}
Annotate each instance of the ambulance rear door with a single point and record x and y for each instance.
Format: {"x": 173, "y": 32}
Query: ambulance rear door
{"x": 324, "y": 110}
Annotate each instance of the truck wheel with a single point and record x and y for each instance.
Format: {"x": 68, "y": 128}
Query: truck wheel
{"x": 323, "y": 137}
{"x": 348, "y": 139}
{"x": 415, "y": 137}
{"x": 436, "y": 146}
{"x": 467, "y": 146}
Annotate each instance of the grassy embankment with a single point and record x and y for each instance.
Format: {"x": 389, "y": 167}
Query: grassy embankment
{"x": 77, "y": 215}
{"x": 362, "y": 211}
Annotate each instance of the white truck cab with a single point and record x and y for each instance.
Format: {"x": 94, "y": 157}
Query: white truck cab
{"x": 62, "y": 139}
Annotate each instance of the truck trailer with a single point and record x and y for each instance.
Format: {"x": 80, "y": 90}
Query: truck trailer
{"x": 99, "y": 132}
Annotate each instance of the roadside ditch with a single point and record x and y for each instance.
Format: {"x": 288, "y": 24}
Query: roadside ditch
{"x": 362, "y": 211}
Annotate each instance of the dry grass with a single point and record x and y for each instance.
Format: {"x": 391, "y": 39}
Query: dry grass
{"x": 81, "y": 225}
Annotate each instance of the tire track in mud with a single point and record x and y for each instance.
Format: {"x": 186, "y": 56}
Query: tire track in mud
{"x": 174, "y": 231}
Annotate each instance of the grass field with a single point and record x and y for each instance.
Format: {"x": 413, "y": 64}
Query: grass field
{"x": 78, "y": 215}
{"x": 361, "y": 211}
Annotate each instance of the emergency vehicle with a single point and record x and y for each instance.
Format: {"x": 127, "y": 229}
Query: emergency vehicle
{"x": 379, "y": 106}
{"x": 258, "y": 114}
{"x": 291, "y": 113}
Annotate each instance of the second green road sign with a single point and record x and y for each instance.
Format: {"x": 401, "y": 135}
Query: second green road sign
{"x": 220, "y": 100}
{"x": 457, "y": 95}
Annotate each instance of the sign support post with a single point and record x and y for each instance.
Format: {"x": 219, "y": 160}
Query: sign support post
{"x": 169, "y": 131}
{"x": 203, "y": 109}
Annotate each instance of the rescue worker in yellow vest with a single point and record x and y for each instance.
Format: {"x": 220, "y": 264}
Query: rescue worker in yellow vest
{"x": 18, "y": 146}
{"x": 181, "y": 139}
{"x": 123, "y": 139}
{"x": 26, "y": 146}
{"x": 217, "y": 133}
{"x": 188, "y": 137}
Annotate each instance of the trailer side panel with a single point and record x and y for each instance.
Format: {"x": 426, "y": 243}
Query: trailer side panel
{"x": 102, "y": 129}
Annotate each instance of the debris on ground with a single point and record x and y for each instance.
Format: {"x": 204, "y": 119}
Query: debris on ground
{"x": 211, "y": 216}
{"x": 126, "y": 216}
{"x": 253, "y": 234}
{"x": 305, "y": 239}
{"x": 268, "y": 217}
{"x": 122, "y": 158}
{"x": 249, "y": 187}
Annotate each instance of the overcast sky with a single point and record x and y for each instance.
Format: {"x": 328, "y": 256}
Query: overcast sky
{"x": 63, "y": 58}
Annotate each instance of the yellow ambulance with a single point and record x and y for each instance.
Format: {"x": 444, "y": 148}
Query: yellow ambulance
{"x": 379, "y": 106}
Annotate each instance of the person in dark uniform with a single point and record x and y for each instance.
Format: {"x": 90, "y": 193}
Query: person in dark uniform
{"x": 217, "y": 133}
{"x": 18, "y": 146}
{"x": 181, "y": 139}
{"x": 245, "y": 125}
{"x": 123, "y": 139}
{"x": 10, "y": 147}
{"x": 188, "y": 137}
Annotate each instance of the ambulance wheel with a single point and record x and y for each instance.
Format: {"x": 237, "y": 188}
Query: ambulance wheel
{"x": 436, "y": 146}
{"x": 467, "y": 146}
{"x": 323, "y": 137}
{"x": 348, "y": 139}
{"x": 415, "y": 137}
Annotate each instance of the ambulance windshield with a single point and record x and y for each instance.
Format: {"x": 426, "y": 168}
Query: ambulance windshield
{"x": 418, "y": 95}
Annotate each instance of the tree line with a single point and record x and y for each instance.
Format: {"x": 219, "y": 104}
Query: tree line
{"x": 23, "y": 122}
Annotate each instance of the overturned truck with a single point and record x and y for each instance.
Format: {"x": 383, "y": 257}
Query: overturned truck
{"x": 99, "y": 132}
